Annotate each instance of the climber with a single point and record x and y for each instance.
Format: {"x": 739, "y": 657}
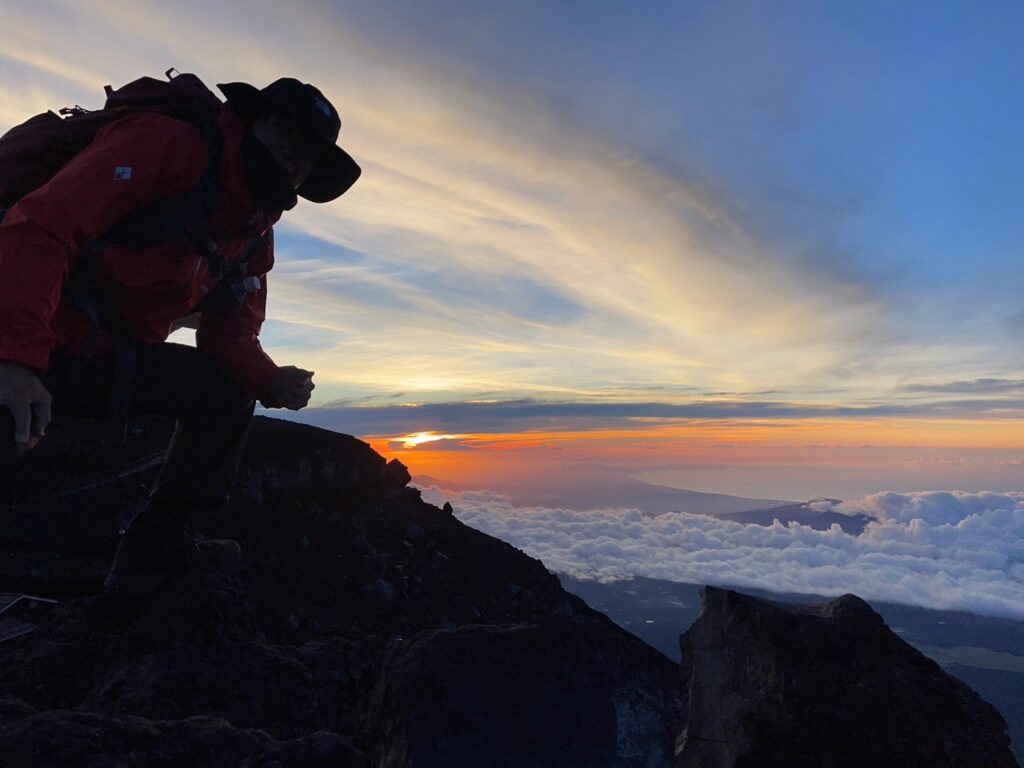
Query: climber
{"x": 92, "y": 341}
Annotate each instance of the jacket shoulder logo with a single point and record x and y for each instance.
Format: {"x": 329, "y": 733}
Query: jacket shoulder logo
{"x": 123, "y": 172}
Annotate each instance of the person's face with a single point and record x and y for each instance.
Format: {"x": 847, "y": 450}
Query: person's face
{"x": 290, "y": 146}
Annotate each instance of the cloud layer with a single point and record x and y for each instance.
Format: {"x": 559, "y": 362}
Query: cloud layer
{"x": 958, "y": 551}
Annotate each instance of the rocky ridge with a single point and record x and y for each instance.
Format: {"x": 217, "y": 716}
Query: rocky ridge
{"x": 792, "y": 685}
{"x": 364, "y": 627}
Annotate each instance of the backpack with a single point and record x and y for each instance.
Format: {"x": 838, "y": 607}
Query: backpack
{"x": 33, "y": 152}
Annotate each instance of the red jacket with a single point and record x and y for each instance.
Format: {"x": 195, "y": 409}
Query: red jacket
{"x": 136, "y": 161}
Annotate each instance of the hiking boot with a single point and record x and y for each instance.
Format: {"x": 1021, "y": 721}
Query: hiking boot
{"x": 156, "y": 547}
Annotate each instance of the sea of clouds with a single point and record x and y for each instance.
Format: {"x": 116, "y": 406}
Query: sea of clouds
{"x": 953, "y": 551}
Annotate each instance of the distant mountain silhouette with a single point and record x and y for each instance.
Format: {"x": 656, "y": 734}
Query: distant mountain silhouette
{"x": 582, "y": 490}
{"x": 805, "y": 514}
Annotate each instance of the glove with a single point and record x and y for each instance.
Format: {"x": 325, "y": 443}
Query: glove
{"x": 291, "y": 389}
{"x": 28, "y": 400}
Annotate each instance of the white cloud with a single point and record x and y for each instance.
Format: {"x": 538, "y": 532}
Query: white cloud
{"x": 958, "y": 551}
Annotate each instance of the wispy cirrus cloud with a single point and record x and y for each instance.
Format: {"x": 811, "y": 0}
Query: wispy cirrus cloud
{"x": 502, "y": 242}
{"x": 977, "y": 386}
{"x": 534, "y": 415}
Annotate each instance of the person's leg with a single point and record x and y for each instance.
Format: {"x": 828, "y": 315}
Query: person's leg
{"x": 213, "y": 414}
{"x": 8, "y": 454}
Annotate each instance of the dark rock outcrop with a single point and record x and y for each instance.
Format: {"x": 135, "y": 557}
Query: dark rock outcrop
{"x": 363, "y": 627}
{"x": 803, "y": 686}
{"x": 565, "y": 692}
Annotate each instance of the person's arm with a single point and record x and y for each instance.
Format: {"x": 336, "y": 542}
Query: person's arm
{"x": 132, "y": 163}
{"x": 232, "y": 336}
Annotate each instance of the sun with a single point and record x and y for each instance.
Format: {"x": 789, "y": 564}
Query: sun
{"x": 419, "y": 438}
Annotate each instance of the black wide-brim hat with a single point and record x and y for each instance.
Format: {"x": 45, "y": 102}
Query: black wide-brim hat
{"x": 335, "y": 170}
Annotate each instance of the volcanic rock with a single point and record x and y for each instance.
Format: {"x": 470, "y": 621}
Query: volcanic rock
{"x": 361, "y": 627}
{"x": 562, "y": 692}
{"x": 803, "y": 686}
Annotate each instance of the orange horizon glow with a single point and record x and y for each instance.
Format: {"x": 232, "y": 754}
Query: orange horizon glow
{"x": 843, "y": 444}
{"x": 924, "y": 433}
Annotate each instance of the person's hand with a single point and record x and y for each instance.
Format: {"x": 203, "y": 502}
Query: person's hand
{"x": 291, "y": 389}
{"x": 23, "y": 393}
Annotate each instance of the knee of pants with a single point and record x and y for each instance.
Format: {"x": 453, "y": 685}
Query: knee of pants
{"x": 237, "y": 400}
{"x": 227, "y": 397}
{"x": 242, "y": 402}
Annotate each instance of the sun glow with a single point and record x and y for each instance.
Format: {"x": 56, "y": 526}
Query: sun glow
{"x": 419, "y": 438}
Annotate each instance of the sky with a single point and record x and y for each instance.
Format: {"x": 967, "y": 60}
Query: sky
{"x": 762, "y": 249}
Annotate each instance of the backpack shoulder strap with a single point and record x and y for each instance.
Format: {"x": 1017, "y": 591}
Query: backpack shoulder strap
{"x": 233, "y": 284}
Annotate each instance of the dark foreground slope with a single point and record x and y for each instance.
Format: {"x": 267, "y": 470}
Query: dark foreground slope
{"x": 363, "y": 627}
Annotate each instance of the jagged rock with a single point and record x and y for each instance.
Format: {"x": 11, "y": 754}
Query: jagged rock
{"x": 62, "y": 738}
{"x": 397, "y": 472}
{"x": 803, "y": 686}
{"x": 415, "y": 533}
{"x": 318, "y": 750}
{"x": 381, "y": 594}
{"x": 570, "y": 691}
{"x": 274, "y": 658}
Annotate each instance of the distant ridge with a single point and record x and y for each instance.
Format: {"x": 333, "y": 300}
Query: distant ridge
{"x": 580, "y": 492}
{"x": 804, "y": 513}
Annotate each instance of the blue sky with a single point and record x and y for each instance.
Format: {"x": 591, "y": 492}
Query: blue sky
{"x": 828, "y": 125}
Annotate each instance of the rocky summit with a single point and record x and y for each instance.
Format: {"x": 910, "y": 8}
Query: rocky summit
{"x": 782, "y": 685}
{"x": 363, "y": 627}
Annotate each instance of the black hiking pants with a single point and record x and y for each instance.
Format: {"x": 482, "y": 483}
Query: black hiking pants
{"x": 213, "y": 413}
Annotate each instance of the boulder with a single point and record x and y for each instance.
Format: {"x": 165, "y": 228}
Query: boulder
{"x": 804, "y": 686}
{"x": 570, "y": 691}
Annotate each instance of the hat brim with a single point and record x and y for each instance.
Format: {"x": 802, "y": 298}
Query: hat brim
{"x": 335, "y": 171}
{"x": 333, "y": 175}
